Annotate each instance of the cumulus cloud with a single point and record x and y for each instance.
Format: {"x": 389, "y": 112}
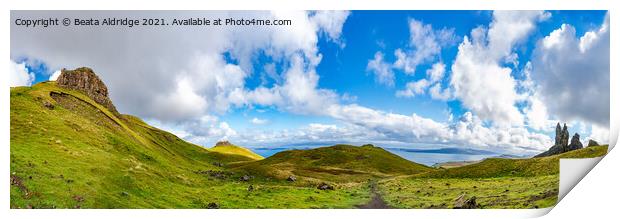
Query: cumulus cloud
{"x": 599, "y": 134}
{"x": 19, "y": 74}
{"x": 330, "y": 22}
{"x": 54, "y": 75}
{"x": 381, "y": 69}
{"x": 257, "y": 121}
{"x": 425, "y": 43}
{"x": 439, "y": 93}
{"x": 205, "y": 130}
{"x": 413, "y": 88}
{"x": 470, "y": 129}
{"x": 434, "y": 76}
{"x": 537, "y": 116}
{"x": 393, "y": 125}
{"x": 479, "y": 79}
{"x": 573, "y": 74}
{"x": 436, "y": 72}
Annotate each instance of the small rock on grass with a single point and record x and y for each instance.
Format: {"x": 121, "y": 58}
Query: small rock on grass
{"x": 325, "y": 186}
{"x": 213, "y": 205}
{"x": 291, "y": 178}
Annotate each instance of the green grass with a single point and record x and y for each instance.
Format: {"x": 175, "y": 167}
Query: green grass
{"x": 502, "y": 192}
{"x": 236, "y": 150}
{"x": 495, "y": 182}
{"x": 500, "y": 167}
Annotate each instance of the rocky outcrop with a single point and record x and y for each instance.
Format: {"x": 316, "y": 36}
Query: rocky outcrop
{"x": 223, "y": 143}
{"x": 86, "y": 81}
{"x": 462, "y": 202}
{"x": 561, "y": 142}
{"x": 561, "y": 135}
{"x": 592, "y": 143}
{"x": 575, "y": 143}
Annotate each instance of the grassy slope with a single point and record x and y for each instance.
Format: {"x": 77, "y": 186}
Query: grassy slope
{"x": 236, "y": 150}
{"x": 339, "y": 163}
{"x": 497, "y": 167}
{"x": 81, "y": 155}
{"x": 501, "y": 192}
{"x": 496, "y": 183}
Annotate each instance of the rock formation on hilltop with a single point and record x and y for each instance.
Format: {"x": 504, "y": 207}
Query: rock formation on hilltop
{"x": 223, "y": 143}
{"x": 85, "y": 80}
{"x": 561, "y": 142}
{"x": 575, "y": 143}
{"x": 561, "y": 135}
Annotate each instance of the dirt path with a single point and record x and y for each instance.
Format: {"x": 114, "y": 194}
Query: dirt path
{"x": 376, "y": 202}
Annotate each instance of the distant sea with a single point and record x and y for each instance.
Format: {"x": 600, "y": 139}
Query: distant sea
{"x": 427, "y": 157}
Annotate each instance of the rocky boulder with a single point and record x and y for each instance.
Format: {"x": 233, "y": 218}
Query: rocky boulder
{"x": 592, "y": 143}
{"x": 462, "y": 202}
{"x": 244, "y": 178}
{"x": 575, "y": 143}
{"x": 291, "y": 178}
{"x": 325, "y": 186}
{"x": 213, "y": 205}
{"x": 86, "y": 81}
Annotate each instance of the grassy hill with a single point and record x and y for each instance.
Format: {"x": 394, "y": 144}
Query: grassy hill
{"x": 69, "y": 152}
{"x": 495, "y": 182}
{"x": 236, "y": 150}
{"x": 498, "y": 167}
{"x": 338, "y": 163}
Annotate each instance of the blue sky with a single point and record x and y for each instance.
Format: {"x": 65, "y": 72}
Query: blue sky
{"x": 346, "y": 43}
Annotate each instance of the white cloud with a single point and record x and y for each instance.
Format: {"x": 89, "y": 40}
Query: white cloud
{"x": 425, "y": 44}
{"x": 19, "y": 75}
{"x": 257, "y": 121}
{"x": 573, "y": 74}
{"x": 509, "y": 28}
{"x": 436, "y": 72}
{"x": 330, "y": 22}
{"x": 435, "y": 75}
{"x": 537, "y": 116}
{"x": 204, "y": 130}
{"x": 599, "y": 134}
{"x": 302, "y": 92}
{"x": 393, "y": 125}
{"x": 183, "y": 103}
{"x": 54, "y": 75}
{"x": 437, "y": 93}
{"x": 413, "y": 88}
{"x": 382, "y": 70}
{"x": 479, "y": 80}
{"x": 470, "y": 129}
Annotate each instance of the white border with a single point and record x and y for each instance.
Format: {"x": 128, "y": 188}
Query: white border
{"x": 599, "y": 176}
